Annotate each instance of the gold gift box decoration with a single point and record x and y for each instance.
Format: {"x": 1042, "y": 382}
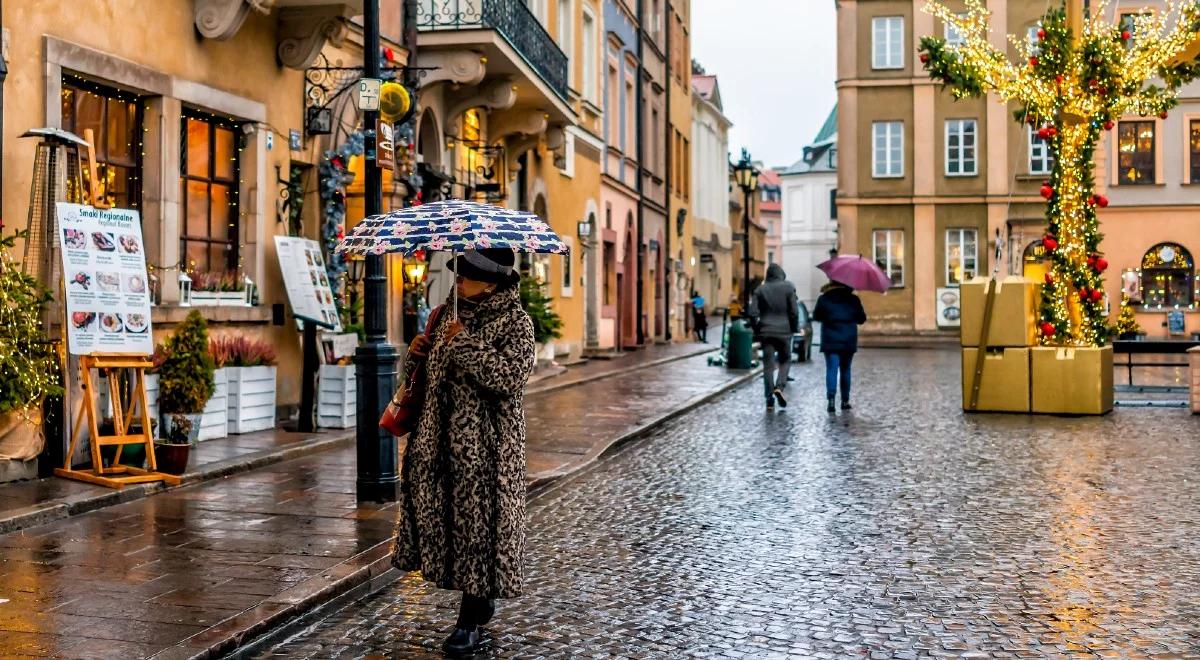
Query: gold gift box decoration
{"x": 1013, "y": 313}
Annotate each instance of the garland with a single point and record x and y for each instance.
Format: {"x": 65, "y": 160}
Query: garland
{"x": 335, "y": 175}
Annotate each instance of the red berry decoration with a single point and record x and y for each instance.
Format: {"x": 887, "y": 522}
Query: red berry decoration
{"x": 1108, "y": 125}
{"x": 1101, "y": 264}
{"x": 1047, "y": 329}
{"x": 924, "y": 58}
{"x": 1050, "y": 243}
{"x": 1033, "y": 61}
{"x": 1047, "y": 191}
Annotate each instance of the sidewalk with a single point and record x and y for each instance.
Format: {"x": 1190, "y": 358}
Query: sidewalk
{"x": 197, "y": 571}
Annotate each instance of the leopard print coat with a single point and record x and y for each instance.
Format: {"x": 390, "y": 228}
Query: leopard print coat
{"x": 462, "y": 503}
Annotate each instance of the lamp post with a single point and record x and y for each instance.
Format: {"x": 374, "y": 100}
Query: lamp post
{"x": 375, "y": 359}
{"x": 746, "y": 176}
{"x": 355, "y": 265}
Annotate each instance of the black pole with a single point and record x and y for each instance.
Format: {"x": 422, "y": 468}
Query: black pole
{"x": 746, "y": 254}
{"x": 641, "y": 153}
{"x": 668, "y": 226}
{"x": 375, "y": 359}
{"x": 308, "y": 387}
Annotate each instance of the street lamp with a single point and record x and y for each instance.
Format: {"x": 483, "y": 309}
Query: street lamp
{"x": 356, "y": 267}
{"x": 746, "y": 176}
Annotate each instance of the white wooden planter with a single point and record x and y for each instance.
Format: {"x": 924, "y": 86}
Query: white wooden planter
{"x": 336, "y": 397}
{"x": 251, "y": 398}
{"x": 215, "y": 422}
{"x": 231, "y": 299}
{"x": 206, "y": 298}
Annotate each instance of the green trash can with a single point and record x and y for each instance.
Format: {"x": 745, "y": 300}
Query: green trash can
{"x": 740, "y": 353}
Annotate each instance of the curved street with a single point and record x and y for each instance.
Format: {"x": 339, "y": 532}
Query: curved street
{"x": 902, "y": 529}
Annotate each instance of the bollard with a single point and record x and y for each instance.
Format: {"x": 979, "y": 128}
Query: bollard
{"x": 741, "y": 342}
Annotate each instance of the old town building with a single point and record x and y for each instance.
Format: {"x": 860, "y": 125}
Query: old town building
{"x": 809, "y": 191}
{"x": 711, "y": 235}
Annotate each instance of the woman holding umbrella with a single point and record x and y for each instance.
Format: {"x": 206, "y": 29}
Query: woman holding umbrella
{"x": 840, "y": 312}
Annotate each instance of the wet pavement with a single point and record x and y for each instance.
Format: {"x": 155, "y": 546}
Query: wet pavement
{"x": 901, "y": 529}
{"x": 183, "y": 571}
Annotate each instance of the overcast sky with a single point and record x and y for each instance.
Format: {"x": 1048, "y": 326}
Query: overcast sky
{"x": 775, "y": 61}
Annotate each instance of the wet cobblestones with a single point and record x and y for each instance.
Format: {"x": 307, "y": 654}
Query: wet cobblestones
{"x": 902, "y": 529}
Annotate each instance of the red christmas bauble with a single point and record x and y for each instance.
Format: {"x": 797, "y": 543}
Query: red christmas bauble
{"x": 1084, "y": 294}
{"x": 924, "y": 58}
{"x": 1050, "y": 243}
{"x": 1033, "y": 61}
{"x": 1041, "y": 33}
{"x": 1101, "y": 201}
{"x": 1097, "y": 295}
{"x": 1047, "y": 329}
{"x": 1052, "y": 131}
{"x": 389, "y": 54}
{"x": 1043, "y": 133}
{"x": 1091, "y": 201}
{"x": 1047, "y": 191}
{"x": 1050, "y": 278}
{"x": 1125, "y": 36}
{"x": 1108, "y": 125}
{"x": 1162, "y": 115}
{"x": 1092, "y": 260}
{"x": 1101, "y": 264}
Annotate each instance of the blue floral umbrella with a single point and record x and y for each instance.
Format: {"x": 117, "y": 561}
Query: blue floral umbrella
{"x": 452, "y": 226}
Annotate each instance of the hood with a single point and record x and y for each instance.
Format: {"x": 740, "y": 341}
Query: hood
{"x": 775, "y": 273}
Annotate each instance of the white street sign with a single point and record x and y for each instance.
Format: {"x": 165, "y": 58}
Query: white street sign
{"x": 368, "y": 93}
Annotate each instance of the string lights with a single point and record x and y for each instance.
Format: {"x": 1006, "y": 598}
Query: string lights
{"x": 1071, "y": 89}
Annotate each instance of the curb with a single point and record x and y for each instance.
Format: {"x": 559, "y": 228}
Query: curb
{"x": 553, "y": 387}
{"x": 51, "y": 511}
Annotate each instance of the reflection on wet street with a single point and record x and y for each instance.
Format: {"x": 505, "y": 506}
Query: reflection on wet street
{"x": 902, "y": 529}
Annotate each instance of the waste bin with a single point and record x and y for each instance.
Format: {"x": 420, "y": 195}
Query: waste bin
{"x": 740, "y": 351}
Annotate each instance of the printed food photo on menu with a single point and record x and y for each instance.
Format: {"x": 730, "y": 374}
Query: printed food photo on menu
{"x": 312, "y": 275}
{"x": 130, "y": 244}
{"x": 109, "y": 282}
{"x": 135, "y": 284}
{"x": 103, "y": 241}
{"x": 75, "y": 239}
{"x": 111, "y": 323}
{"x": 308, "y": 257}
{"x": 83, "y": 320}
{"x": 81, "y": 281}
{"x": 136, "y": 323}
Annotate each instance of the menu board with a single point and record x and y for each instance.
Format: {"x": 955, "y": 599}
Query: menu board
{"x": 304, "y": 278}
{"x": 104, "y": 267}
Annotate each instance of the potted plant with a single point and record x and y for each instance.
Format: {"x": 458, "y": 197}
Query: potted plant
{"x": 185, "y": 384}
{"x": 547, "y": 324}
{"x": 206, "y": 288}
{"x": 250, "y": 368}
{"x": 29, "y": 366}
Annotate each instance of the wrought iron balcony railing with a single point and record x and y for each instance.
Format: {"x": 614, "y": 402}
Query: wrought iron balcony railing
{"x": 513, "y": 20}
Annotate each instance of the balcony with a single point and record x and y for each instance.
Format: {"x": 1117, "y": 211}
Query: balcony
{"x": 459, "y": 22}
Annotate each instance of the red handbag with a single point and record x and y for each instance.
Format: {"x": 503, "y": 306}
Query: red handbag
{"x": 403, "y": 412}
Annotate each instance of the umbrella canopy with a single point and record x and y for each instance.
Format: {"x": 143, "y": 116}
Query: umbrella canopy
{"x": 856, "y": 273}
{"x": 451, "y": 226}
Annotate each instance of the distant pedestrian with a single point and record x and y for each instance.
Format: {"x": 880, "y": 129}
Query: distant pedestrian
{"x": 462, "y": 503}
{"x": 777, "y": 314}
{"x": 839, "y": 312}
{"x": 699, "y": 317}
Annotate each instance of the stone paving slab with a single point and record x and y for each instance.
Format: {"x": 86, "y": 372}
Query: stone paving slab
{"x": 200, "y": 570}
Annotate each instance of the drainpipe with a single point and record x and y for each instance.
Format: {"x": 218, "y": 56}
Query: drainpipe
{"x": 668, "y": 264}
{"x": 641, "y": 152}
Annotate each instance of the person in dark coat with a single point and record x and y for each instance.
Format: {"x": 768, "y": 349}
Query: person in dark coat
{"x": 839, "y": 312}
{"x": 699, "y": 317}
{"x": 462, "y": 489}
{"x": 777, "y": 314}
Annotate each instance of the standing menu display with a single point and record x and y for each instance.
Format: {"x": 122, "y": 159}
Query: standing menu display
{"x": 104, "y": 268}
{"x": 304, "y": 277}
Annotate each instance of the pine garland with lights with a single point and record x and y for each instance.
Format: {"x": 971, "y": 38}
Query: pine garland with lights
{"x": 1072, "y": 89}
{"x": 334, "y": 177}
{"x": 29, "y": 367}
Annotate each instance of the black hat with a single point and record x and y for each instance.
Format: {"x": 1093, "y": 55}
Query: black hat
{"x": 495, "y": 265}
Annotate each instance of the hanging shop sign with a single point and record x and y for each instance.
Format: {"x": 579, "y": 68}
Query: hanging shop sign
{"x": 104, "y": 267}
{"x": 304, "y": 277}
{"x": 385, "y": 148}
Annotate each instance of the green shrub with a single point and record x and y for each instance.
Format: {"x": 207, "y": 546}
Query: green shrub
{"x": 185, "y": 381}
{"x": 547, "y": 324}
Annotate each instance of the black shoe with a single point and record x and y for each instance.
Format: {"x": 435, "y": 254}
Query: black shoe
{"x": 464, "y": 641}
{"x": 845, "y": 405}
{"x": 779, "y": 398}
{"x": 831, "y": 408}
{"x": 770, "y": 404}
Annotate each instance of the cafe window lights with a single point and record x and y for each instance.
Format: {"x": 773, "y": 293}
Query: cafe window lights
{"x": 209, "y": 165}
{"x": 1135, "y": 153}
{"x": 1194, "y": 150}
{"x": 1168, "y": 272}
{"x": 115, "y": 118}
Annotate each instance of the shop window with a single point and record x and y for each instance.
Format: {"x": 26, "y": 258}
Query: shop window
{"x": 962, "y": 255}
{"x": 1167, "y": 275}
{"x": 1135, "y": 152}
{"x": 209, "y": 178}
{"x": 889, "y": 253}
{"x": 1194, "y": 150}
{"x": 115, "y": 118}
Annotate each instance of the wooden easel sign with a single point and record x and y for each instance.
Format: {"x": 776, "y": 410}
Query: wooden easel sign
{"x": 107, "y": 326}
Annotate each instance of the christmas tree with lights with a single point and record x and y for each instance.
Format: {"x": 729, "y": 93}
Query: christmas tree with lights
{"x": 1127, "y": 325}
{"x": 1071, "y": 85}
{"x": 28, "y": 362}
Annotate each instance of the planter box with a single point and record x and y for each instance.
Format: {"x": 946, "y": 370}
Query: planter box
{"x": 1013, "y": 313}
{"x": 205, "y": 299}
{"x": 215, "y": 421}
{"x": 1004, "y": 386}
{"x": 1072, "y": 381}
{"x": 231, "y": 299}
{"x": 337, "y": 397}
{"x": 251, "y": 398}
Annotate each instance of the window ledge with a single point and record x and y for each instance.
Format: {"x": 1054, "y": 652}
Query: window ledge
{"x": 170, "y": 314}
{"x": 1032, "y": 177}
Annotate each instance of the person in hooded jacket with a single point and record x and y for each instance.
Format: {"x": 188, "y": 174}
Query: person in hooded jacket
{"x": 778, "y": 318}
{"x": 839, "y": 312}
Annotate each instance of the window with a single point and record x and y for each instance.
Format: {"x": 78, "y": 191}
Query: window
{"x": 960, "y": 147}
{"x": 887, "y": 43}
{"x": 612, "y": 105}
{"x": 566, "y": 36}
{"x": 538, "y": 9}
{"x": 630, "y": 138}
{"x": 1194, "y": 150}
{"x": 1127, "y": 24}
{"x": 1167, "y": 272}
{"x": 1032, "y": 39}
{"x": 687, "y": 168}
{"x": 1135, "y": 152}
{"x": 770, "y": 257}
{"x": 1040, "y": 160}
{"x": 209, "y": 177}
{"x": 833, "y": 204}
{"x": 961, "y": 256}
{"x": 566, "y": 163}
{"x": 590, "y": 65}
{"x": 115, "y": 117}
{"x": 889, "y": 253}
{"x": 888, "y": 140}
{"x": 953, "y": 36}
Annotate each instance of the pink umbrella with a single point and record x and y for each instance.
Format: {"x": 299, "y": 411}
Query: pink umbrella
{"x": 857, "y": 273}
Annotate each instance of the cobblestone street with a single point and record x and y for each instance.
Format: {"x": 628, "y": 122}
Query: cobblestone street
{"x": 902, "y": 529}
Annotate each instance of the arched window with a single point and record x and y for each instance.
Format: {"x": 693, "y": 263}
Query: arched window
{"x": 1167, "y": 272}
